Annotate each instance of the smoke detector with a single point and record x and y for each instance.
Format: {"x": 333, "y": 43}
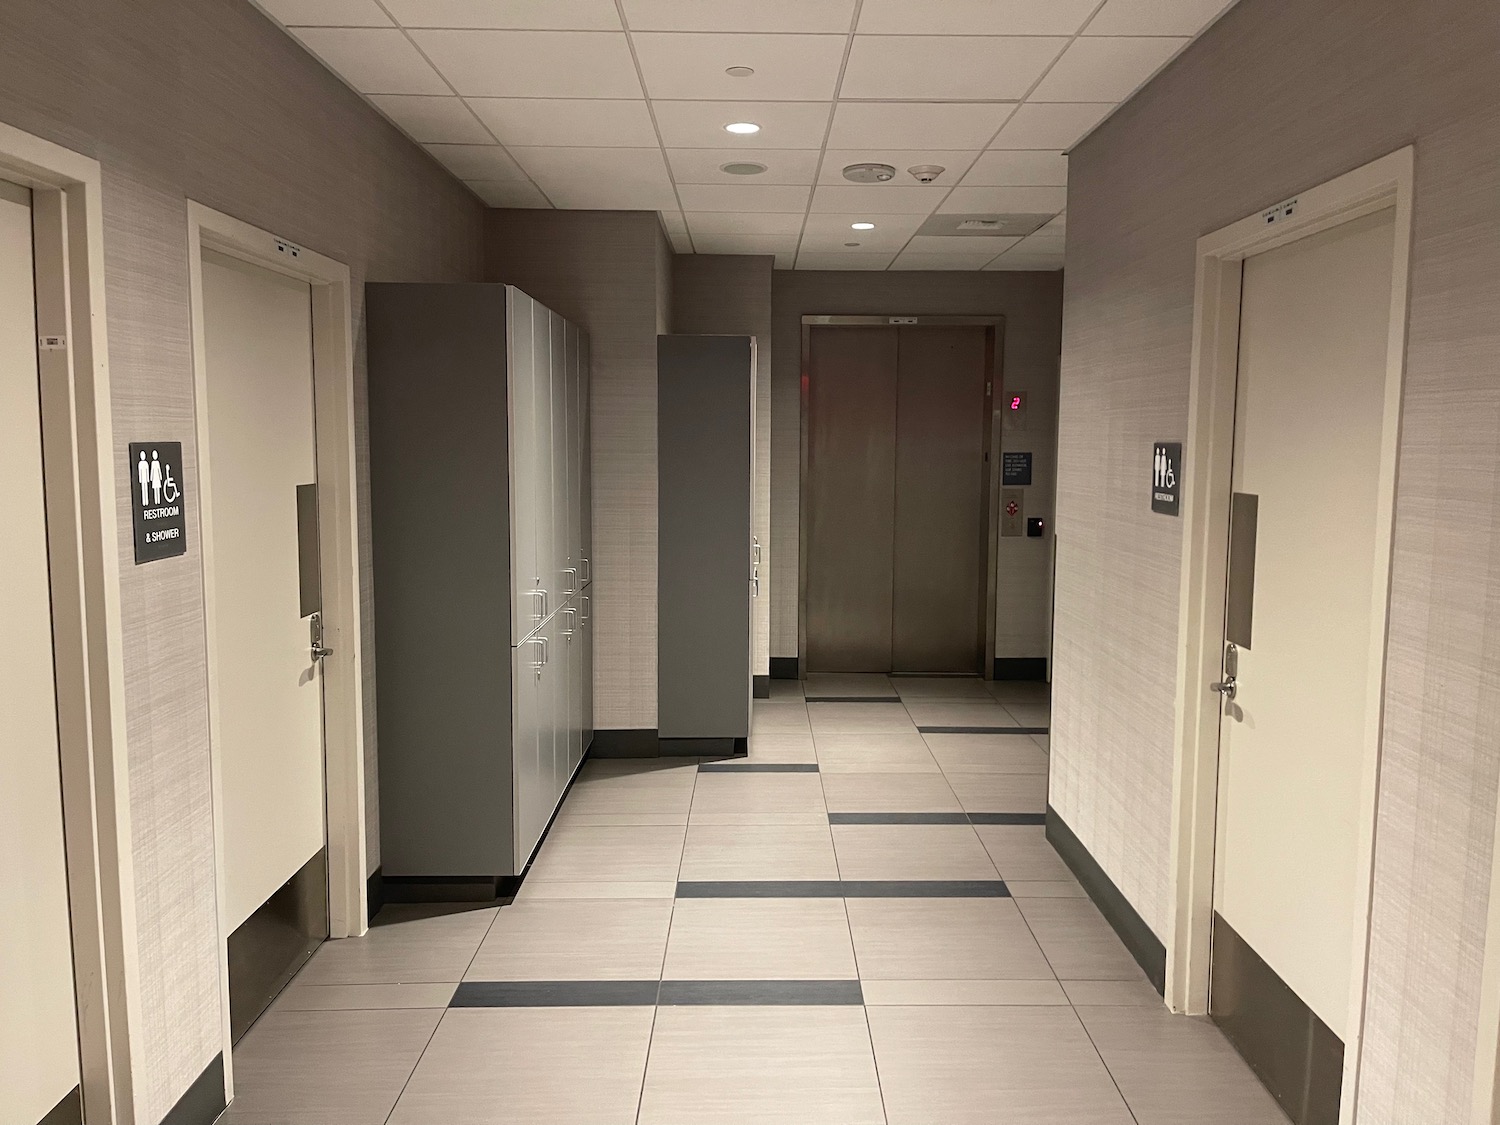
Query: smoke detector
{"x": 869, "y": 173}
{"x": 926, "y": 173}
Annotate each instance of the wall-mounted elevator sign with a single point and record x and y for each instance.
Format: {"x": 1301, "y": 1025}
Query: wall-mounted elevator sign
{"x": 1166, "y": 478}
{"x": 1015, "y": 469}
{"x": 157, "y": 505}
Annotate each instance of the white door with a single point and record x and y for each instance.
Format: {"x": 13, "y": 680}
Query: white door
{"x": 1294, "y": 742}
{"x": 38, "y": 1017}
{"x": 268, "y": 698}
{"x": 525, "y": 462}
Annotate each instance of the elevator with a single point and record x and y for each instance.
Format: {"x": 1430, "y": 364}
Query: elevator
{"x": 896, "y": 573}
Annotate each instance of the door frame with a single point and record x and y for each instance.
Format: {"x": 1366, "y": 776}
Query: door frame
{"x": 1377, "y": 186}
{"x": 84, "y": 550}
{"x": 990, "y": 535}
{"x": 338, "y": 535}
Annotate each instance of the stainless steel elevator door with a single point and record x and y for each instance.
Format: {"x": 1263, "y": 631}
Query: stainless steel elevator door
{"x": 896, "y": 498}
{"x": 941, "y": 437}
{"x": 851, "y": 485}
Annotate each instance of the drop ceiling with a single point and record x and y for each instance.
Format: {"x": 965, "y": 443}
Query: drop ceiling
{"x": 621, "y": 105}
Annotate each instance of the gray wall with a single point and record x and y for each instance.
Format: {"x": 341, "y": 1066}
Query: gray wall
{"x": 731, "y": 295}
{"x": 610, "y": 273}
{"x": 1279, "y": 96}
{"x": 205, "y": 100}
{"x": 1032, "y": 306}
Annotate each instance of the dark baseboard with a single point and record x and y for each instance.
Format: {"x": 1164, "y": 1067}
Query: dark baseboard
{"x": 204, "y": 1100}
{"x": 762, "y": 687}
{"x": 1138, "y": 937}
{"x": 449, "y": 888}
{"x": 374, "y": 893}
{"x": 69, "y": 1111}
{"x": 785, "y": 668}
{"x": 1030, "y": 669}
{"x": 626, "y": 744}
{"x": 700, "y": 747}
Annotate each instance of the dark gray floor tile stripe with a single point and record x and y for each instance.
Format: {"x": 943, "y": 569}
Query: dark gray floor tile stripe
{"x": 555, "y": 994}
{"x": 853, "y": 699}
{"x": 898, "y": 818}
{"x": 1008, "y": 818}
{"x": 761, "y": 992}
{"x": 926, "y": 888}
{"x": 789, "y": 888}
{"x": 758, "y": 767}
{"x": 983, "y": 729}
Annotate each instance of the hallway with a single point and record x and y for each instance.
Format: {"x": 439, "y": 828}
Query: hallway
{"x": 860, "y": 923}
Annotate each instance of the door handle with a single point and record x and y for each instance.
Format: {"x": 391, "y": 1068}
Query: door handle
{"x": 1228, "y": 687}
{"x": 573, "y": 570}
{"x": 755, "y": 550}
{"x": 570, "y": 610}
{"x": 589, "y": 577}
{"x": 541, "y": 662}
{"x": 587, "y": 610}
{"x": 542, "y": 594}
{"x": 315, "y": 628}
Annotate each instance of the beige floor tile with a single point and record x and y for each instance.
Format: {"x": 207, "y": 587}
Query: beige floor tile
{"x": 1021, "y": 852}
{"x": 329, "y": 1067}
{"x": 758, "y": 851}
{"x": 301, "y": 997}
{"x": 991, "y": 1066}
{"x": 779, "y": 716}
{"x": 888, "y": 792}
{"x": 541, "y": 1066}
{"x": 1000, "y": 792}
{"x": 772, "y": 1065}
{"x": 1078, "y": 942}
{"x": 640, "y": 853}
{"x": 651, "y": 792}
{"x": 1020, "y": 691}
{"x": 753, "y": 793}
{"x": 939, "y": 713}
{"x": 408, "y": 945}
{"x": 534, "y": 890}
{"x": 963, "y": 993}
{"x": 759, "y": 939}
{"x": 944, "y": 939}
{"x": 1031, "y": 714}
{"x": 940, "y": 687}
{"x": 780, "y": 748}
{"x": 622, "y": 820}
{"x": 910, "y": 851}
{"x": 859, "y": 718}
{"x": 786, "y": 689}
{"x": 987, "y": 753}
{"x": 847, "y": 684}
{"x": 802, "y": 819}
{"x": 1177, "y": 1071}
{"x": 575, "y": 939}
{"x": 1136, "y": 993}
{"x": 874, "y": 753}
{"x": 1045, "y": 888}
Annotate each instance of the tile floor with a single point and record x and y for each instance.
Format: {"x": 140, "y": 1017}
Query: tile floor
{"x": 860, "y": 923}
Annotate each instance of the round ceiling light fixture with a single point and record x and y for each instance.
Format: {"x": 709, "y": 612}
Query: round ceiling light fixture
{"x": 869, "y": 173}
{"x": 861, "y": 226}
{"x": 740, "y": 71}
{"x": 743, "y": 168}
{"x": 742, "y": 128}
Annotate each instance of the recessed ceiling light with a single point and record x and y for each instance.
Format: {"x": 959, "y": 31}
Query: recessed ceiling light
{"x": 861, "y": 226}
{"x": 743, "y": 168}
{"x": 744, "y": 128}
{"x": 740, "y": 71}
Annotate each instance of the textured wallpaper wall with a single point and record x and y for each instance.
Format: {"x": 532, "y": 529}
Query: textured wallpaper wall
{"x": 1279, "y": 96}
{"x": 206, "y": 100}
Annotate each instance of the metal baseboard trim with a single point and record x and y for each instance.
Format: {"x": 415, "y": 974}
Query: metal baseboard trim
{"x": 69, "y": 1111}
{"x": 204, "y": 1100}
{"x": 644, "y": 743}
{"x": 1021, "y": 669}
{"x": 374, "y": 893}
{"x": 785, "y": 668}
{"x": 761, "y": 687}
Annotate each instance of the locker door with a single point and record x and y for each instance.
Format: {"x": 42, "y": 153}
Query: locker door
{"x": 524, "y": 459}
{"x": 532, "y": 745}
{"x": 586, "y": 457}
{"x": 575, "y": 456}
{"x": 567, "y": 570}
{"x": 586, "y": 618}
{"x": 548, "y": 563}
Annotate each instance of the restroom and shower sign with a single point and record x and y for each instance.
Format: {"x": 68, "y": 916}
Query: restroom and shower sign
{"x": 1166, "y": 478}
{"x": 157, "y": 505}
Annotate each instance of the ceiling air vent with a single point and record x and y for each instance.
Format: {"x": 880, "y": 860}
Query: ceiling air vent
{"x": 983, "y": 226}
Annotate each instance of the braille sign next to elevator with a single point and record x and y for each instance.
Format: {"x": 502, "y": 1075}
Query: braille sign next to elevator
{"x": 157, "y": 505}
{"x": 1166, "y": 478}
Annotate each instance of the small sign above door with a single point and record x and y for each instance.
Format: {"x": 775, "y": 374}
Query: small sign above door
{"x": 1015, "y": 469}
{"x": 1166, "y": 478}
{"x": 157, "y": 504}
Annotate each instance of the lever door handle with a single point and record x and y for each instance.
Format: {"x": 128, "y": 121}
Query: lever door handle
{"x": 315, "y": 627}
{"x": 1228, "y": 687}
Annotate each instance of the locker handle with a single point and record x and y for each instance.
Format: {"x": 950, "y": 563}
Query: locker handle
{"x": 587, "y": 607}
{"x": 574, "y": 612}
{"x": 540, "y": 593}
{"x": 541, "y": 663}
{"x": 573, "y": 570}
{"x": 589, "y": 577}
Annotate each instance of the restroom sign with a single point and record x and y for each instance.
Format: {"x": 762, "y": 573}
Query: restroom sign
{"x": 1166, "y": 478}
{"x": 157, "y": 504}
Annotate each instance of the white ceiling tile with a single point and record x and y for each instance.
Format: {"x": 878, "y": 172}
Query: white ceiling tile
{"x": 705, "y": 165}
{"x": 433, "y": 119}
{"x": 557, "y": 64}
{"x": 1040, "y": 243}
{"x": 626, "y": 179}
{"x": 1005, "y": 200}
{"x": 746, "y": 243}
{"x": 833, "y": 232}
{"x": 1028, "y": 263}
{"x": 676, "y": 227}
{"x": 740, "y": 15}
{"x": 791, "y": 68}
{"x": 786, "y": 261}
{"x": 544, "y": 15}
{"x": 373, "y": 60}
{"x": 744, "y": 197}
{"x": 947, "y": 262}
{"x": 477, "y": 162}
{"x": 509, "y": 193}
{"x": 954, "y": 163}
{"x": 326, "y": 13}
{"x": 878, "y": 199}
{"x": 848, "y": 260}
{"x": 1053, "y": 125}
{"x": 1105, "y": 69}
{"x": 984, "y": 247}
{"x": 567, "y": 122}
{"x": 1018, "y": 166}
{"x": 974, "y": 17}
{"x": 782, "y": 124}
{"x": 716, "y": 222}
{"x": 1156, "y": 17}
{"x": 913, "y": 125}
{"x": 905, "y": 66}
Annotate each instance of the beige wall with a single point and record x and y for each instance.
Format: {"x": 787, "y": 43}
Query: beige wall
{"x": 731, "y": 295}
{"x": 205, "y": 99}
{"x": 1032, "y": 306}
{"x": 609, "y": 272}
{"x": 1279, "y": 96}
